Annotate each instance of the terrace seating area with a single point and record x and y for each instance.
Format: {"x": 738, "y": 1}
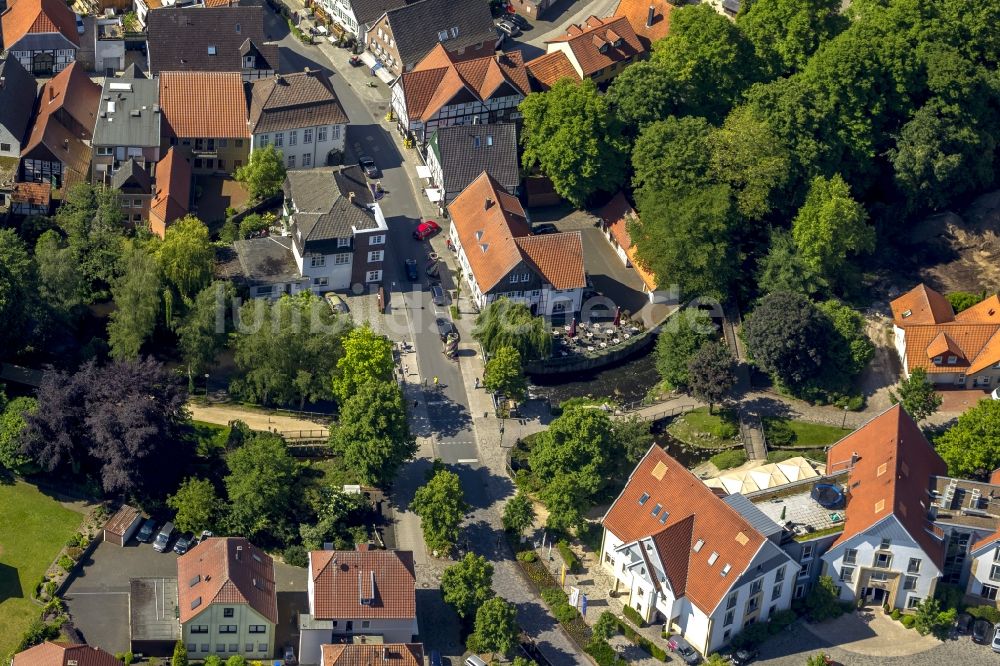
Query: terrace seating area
{"x": 593, "y": 338}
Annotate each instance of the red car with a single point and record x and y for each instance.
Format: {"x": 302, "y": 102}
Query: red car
{"x": 426, "y": 230}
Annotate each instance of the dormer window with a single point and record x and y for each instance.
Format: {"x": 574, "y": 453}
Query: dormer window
{"x": 603, "y": 48}
{"x": 952, "y": 359}
{"x": 454, "y": 32}
{"x": 937, "y": 360}
{"x": 442, "y": 35}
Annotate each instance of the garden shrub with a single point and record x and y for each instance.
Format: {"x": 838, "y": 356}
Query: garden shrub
{"x": 296, "y": 556}
{"x": 895, "y": 614}
{"x": 633, "y": 616}
{"x": 75, "y": 553}
{"x": 778, "y": 432}
{"x": 783, "y": 619}
{"x": 65, "y": 562}
{"x": 908, "y": 621}
{"x": 752, "y": 636}
{"x": 729, "y": 459}
{"x": 988, "y": 613}
{"x": 527, "y": 556}
{"x": 603, "y": 653}
{"x": 568, "y": 556}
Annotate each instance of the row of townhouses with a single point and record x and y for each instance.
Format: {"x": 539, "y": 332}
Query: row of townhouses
{"x": 884, "y": 520}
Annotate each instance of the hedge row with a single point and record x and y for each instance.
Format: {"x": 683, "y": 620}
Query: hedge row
{"x": 554, "y": 597}
{"x": 568, "y": 556}
{"x": 633, "y": 616}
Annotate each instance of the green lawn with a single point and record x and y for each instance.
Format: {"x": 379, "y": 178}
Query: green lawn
{"x": 803, "y": 433}
{"x": 699, "y": 428}
{"x": 33, "y": 528}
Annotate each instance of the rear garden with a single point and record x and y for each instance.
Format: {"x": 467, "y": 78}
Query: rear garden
{"x": 33, "y": 529}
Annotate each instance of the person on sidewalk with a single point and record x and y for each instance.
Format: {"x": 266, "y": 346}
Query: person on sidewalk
{"x": 477, "y": 382}
{"x": 435, "y": 381}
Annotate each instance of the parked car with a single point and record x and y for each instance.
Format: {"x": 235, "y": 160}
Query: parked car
{"x": 337, "y": 304}
{"x": 508, "y": 28}
{"x": 446, "y": 328}
{"x": 205, "y": 535}
{"x": 79, "y": 25}
{"x": 474, "y": 661}
{"x": 963, "y": 624}
{"x": 546, "y": 228}
{"x": 426, "y": 229}
{"x": 184, "y": 543}
{"x": 517, "y": 20}
{"x": 684, "y": 649}
{"x": 163, "y": 538}
{"x": 412, "y": 274}
{"x": 289, "y": 656}
{"x": 744, "y": 656}
{"x": 981, "y": 631}
{"x": 147, "y": 531}
{"x": 368, "y": 165}
{"x": 996, "y": 640}
{"x": 435, "y": 658}
{"x": 437, "y": 295}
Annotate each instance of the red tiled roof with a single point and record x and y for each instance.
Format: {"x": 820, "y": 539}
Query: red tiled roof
{"x": 556, "y": 257}
{"x": 551, "y": 67}
{"x": 925, "y": 306}
{"x": 226, "y": 570}
{"x": 436, "y": 79}
{"x": 637, "y": 13}
{"x": 35, "y": 194}
{"x": 987, "y": 311}
{"x": 61, "y": 654}
{"x": 593, "y": 43}
{"x": 616, "y": 215}
{"x": 122, "y": 520}
{"x": 38, "y": 17}
{"x": 891, "y": 476}
{"x": 172, "y": 191}
{"x": 984, "y": 542}
{"x": 342, "y": 578}
{"x": 389, "y": 654}
{"x": 695, "y": 514}
{"x": 204, "y": 105}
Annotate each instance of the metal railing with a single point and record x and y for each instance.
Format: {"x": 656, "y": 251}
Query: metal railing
{"x": 315, "y": 434}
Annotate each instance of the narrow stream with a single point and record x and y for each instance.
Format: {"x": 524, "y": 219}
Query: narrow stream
{"x": 626, "y": 382}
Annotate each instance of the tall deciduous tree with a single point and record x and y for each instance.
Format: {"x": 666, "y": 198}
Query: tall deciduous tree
{"x": 286, "y": 351}
{"x": 466, "y": 585}
{"x": 785, "y": 335}
{"x": 185, "y": 256}
{"x": 367, "y": 358}
{"x": 672, "y": 154}
{"x": 60, "y": 283}
{"x": 783, "y": 269}
{"x": 917, "y": 395}
{"x": 831, "y": 226}
{"x": 440, "y": 503}
{"x": 786, "y": 33}
{"x": 518, "y": 513}
{"x": 196, "y": 505}
{"x": 503, "y": 374}
{"x": 572, "y": 135}
{"x": 643, "y": 93}
{"x": 496, "y": 628}
{"x": 16, "y": 290}
{"x": 971, "y": 447}
{"x": 12, "y": 427}
{"x": 372, "y": 434}
{"x": 711, "y": 61}
{"x": 504, "y": 323}
{"x": 680, "y": 338}
{"x": 264, "y": 172}
{"x": 94, "y": 225}
{"x": 137, "y": 298}
{"x": 201, "y": 334}
{"x": 261, "y": 485}
{"x": 711, "y": 374}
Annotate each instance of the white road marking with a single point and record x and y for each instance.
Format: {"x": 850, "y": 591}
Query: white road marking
{"x": 467, "y": 460}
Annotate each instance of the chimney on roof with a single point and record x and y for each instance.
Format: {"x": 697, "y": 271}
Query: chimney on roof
{"x": 649, "y": 17}
{"x": 65, "y": 144}
{"x": 854, "y": 458}
{"x": 489, "y": 203}
{"x": 350, "y": 196}
{"x": 3, "y": 80}
{"x": 306, "y": 70}
{"x": 52, "y": 93}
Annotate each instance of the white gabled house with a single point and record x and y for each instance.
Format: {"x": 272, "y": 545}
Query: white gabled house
{"x": 984, "y": 578}
{"x": 684, "y": 557}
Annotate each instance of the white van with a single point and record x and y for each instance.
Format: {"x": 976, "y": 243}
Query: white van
{"x": 474, "y": 661}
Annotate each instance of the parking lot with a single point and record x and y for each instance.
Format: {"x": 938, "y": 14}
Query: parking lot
{"x": 98, "y": 596}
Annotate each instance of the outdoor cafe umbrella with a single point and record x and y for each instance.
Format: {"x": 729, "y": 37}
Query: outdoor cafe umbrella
{"x": 572, "y": 328}
{"x": 618, "y": 316}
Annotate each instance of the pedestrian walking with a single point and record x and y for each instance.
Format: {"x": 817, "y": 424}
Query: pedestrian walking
{"x": 435, "y": 381}
{"x": 477, "y": 382}
{"x": 415, "y": 403}
{"x": 425, "y": 382}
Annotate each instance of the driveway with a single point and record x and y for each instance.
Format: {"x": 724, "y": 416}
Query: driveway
{"x": 97, "y": 596}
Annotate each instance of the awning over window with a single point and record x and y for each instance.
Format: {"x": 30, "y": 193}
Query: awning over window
{"x": 433, "y": 193}
{"x": 423, "y": 171}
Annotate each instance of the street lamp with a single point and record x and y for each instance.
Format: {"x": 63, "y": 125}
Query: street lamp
{"x": 843, "y": 423}
{"x": 206, "y": 386}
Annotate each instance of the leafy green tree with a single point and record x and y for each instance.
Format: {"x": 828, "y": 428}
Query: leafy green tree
{"x": 496, "y": 628}
{"x": 817, "y": 660}
{"x": 17, "y": 282}
{"x": 372, "y": 434}
{"x": 971, "y": 447}
{"x": 12, "y": 425}
{"x": 822, "y": 602}
{"x": 201, "y": 333}
{"x": 633, "y": 434}
{"x": 680, "y": 338}
{"x": 928, "y": 618}
{"x": 830, "y": 226}
{"x": 785, "y": 336}
{"x": 848, "y": 348}
{"x": 783, "y": 269}
{"x": 440, "y": 503}
{"x": 336, "y": 514}
{"x": 963, "y": 300}
{"x": 503, "y": 374}
{"x": 711, "y": 375}
{"x": 287, "y": 350}
{"x": 264, "y": 172}
{"x": 643, "y": 93}
{"x": 468, "y": 584}
{"x": 185, "y": 256}
{"x": 785, "y": 33}
{"x": 261, "y": 486}
{"x": 747, "y": 155}
{"x": 255, "y": 223}
{"x": 571, "y": 134}
{"x": 518, "y": 513}
{"x": 180, "y": 657}
{"x": 94, "y": 225}
{"x": 606, "y": 626}
{"x": 236, "y": 660}
{"x": 504, "y": 323}
{"x": 60, "y": 283}
{"x": 136, "y": 294}
{"x": 686, "y": 238}
{"x": 367, "y": 358}
{"x": 711, "y": 61}
{"x": 672, "y": 154}
{"x": 196, "y": 505}
{"x": 524, "y": 661}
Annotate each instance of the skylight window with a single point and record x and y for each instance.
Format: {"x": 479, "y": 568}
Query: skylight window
{"x": 712, "y": 558}
{"x": 643, "y": 499}
{"x": 663, "y": 517}
{"x": 725, "y": 570}
{"x": 211, "y": 50}
{"x": 698, "y": 544}
{"x": 656, "y": 509}
{"x": 907, "y": 313}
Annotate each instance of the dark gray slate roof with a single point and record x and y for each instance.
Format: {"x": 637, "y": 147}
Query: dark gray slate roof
{"x": 465, "y": 151}
{"x": 757, "y": 518}
{"x": 133, "y": 175}
{"x": 179, "y": 39}
{"x": 135, "y": 120}
{"x": 17, "y": 97}
{"x": 267, "y": 260}
{"x": 415, "y": 27}
{"x": 325, "y": 212}
{"x": 366, "y": 11}
{"x": 134, "y": 71}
